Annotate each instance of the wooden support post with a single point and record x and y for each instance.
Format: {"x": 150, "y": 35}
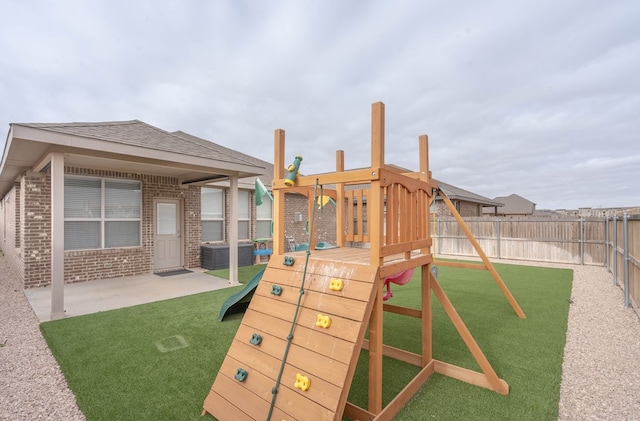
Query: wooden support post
{"x": 377, "y": 135}
{"x": 425, "y": 175}
{"x": 340, "y": 201}
{"x": 375, "y": 208}
{"x": 494, "y": 381}
{"x": 376, "y": 352}
{"x": 427, "y": 325}
{"x": 278, "y": 194}
{"x": 483, "y": 256}
{"x": 423, "y": 148}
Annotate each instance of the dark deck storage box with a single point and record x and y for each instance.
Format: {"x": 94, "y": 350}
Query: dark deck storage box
{"x": 217, "y": 256}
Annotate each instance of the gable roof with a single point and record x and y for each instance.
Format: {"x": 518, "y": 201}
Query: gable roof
{"x": 515, "y": 205}
{"x": 139, "y": 133}
{"x": 456, "y": 193}
{"x": 130, "y": 146}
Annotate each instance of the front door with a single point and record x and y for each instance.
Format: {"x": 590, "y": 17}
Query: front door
{"x": 168, "y": 241}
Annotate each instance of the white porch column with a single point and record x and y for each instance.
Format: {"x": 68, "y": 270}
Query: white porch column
{"x": 57, "y": 235}
{"x": 233, "y": 230}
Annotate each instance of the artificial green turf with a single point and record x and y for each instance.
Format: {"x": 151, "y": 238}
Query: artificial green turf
{"x": 526, "y": 353}
{"x": 245, "y": 273}
{"x": 114, "y": 363}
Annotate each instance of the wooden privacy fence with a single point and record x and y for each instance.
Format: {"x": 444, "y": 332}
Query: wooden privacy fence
{"x": 623, "y": 255}
{"x": 561, "y": 240}
{"x": 613, "y": 242}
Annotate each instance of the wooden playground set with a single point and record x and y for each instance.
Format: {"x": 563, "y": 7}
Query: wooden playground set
{"x": 295, "y": 353}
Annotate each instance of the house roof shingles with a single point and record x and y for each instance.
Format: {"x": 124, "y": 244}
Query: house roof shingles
{"x": 515, "y": 205}
{"x": 123, "y": 145}
{"x": 138, "y": 133}
{"x": 456, "y": 193}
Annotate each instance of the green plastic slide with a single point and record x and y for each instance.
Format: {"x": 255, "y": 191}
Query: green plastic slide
{"x": 239, "y": 301}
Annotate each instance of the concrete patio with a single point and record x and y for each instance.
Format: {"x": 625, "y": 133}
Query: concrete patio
{"x": 108, "y": 294}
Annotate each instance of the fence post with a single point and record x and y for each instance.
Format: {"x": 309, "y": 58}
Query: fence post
{"x": 615, "y": 250}
{"x": 606, "y": 245}
{"x": 582, "y": 241}
{"x": 498, "y": 237}
{"x": 626, "y": 259}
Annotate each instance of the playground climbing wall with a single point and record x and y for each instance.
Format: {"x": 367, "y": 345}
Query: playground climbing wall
{"x": 327, "y": 338}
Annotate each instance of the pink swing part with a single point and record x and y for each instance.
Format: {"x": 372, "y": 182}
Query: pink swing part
{"x": 400, "y": 278}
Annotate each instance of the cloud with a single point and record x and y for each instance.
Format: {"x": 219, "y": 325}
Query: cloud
{"x": 516, "y": 97}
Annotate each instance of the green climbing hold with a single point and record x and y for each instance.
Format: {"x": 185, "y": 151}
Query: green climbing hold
{"x": 276, "y": 289}
{"x": 256, "y": 339}
{"x": 241, "y": 375}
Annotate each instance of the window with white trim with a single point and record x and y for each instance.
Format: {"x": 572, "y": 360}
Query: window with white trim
{"x": 101, "y": 213}
{"x": 244, "y": 215}
{"x": 212, "y": 214}
{"x": 264, "y": 217}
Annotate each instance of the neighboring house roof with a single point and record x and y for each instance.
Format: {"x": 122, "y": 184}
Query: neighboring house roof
{"x": 131, "y": 146}
{"x": 456, "y": 193}
{"x": 515, "y": 205}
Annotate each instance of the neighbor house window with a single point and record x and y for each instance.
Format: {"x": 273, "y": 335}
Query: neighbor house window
{"x": 212, "y": 214}
{"x": 244, "y": 215}
{"x": 264, "y": 216}
{"x": 101, "y": 213}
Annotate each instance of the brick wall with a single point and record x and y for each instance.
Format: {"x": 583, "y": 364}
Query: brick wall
{"x": 85, "y": 265}
{"x": 325, "y": 220}
{"x": 464, "y": 208}
{"x": 35, "y": 229}
{"x": 10, "y": 241}
{"x": 192, "y": 226}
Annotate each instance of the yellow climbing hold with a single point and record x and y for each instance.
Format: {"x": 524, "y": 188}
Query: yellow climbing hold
{"x": 302, "y": 382}
{"x": 323, "y": 321}
{"x": 336, "y": 284}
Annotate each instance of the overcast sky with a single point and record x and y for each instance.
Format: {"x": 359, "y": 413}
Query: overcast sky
{"x": 539, "y": 98}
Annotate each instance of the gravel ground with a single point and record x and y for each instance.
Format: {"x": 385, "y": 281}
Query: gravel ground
{"x": 32, "y": 386}
{"x": 601, "y": 368}
{"x": 600, "y": 379}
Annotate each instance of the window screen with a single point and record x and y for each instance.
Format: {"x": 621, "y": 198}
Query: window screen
{"x": 244, "y": 215}
{"x": 212, "y": 214}
{"x": 264, "y": 217}
{"x": 101, "y": 213}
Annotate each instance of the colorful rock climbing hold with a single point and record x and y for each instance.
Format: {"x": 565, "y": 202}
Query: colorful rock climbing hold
{"x": 302, "y": 382}
{"x": 276, "y": 289}
{"x": 336, "y": 284}
{"x": 323, "y": 321}
{"x": 256, "y": 339}
{"x": 241, "y": 375}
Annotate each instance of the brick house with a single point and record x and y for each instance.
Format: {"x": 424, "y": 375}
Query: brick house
{"x": 466, "y": 203}
{"x": 85, "y": 201}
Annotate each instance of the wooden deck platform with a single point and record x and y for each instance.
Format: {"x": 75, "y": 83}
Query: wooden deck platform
{"x": 393, "y": 263}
